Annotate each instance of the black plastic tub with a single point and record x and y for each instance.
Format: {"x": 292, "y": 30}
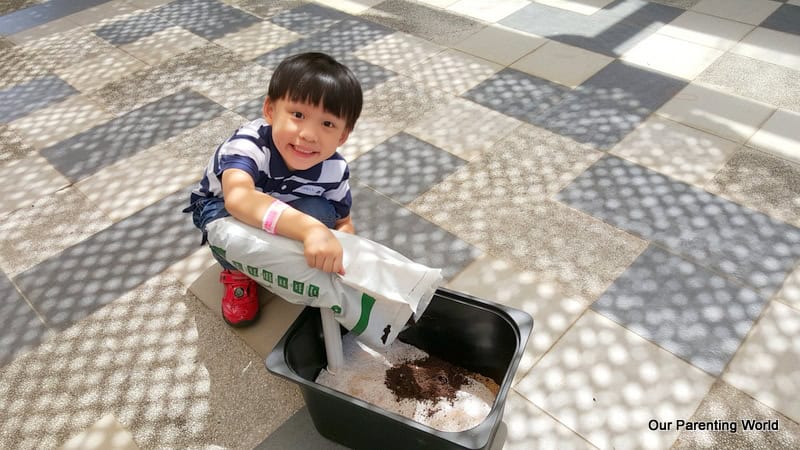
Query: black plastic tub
{"x": 481, "y": 336}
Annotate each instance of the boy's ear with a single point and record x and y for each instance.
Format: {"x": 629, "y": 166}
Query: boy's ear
{"x": 268, "y": 111}
{"x": 343, "y": 137}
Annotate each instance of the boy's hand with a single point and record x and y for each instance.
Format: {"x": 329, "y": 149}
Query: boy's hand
{"x": 323, "y": 251}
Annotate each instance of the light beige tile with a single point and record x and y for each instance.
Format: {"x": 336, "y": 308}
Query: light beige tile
{"x": 747, "y": 11}
{"x": 438, "y": 3}
{"x": 12, "y": 146}
{"x": 163, "y": 45}
{"x": 487, "y": 11}
{"x": 398, "y": 51}
{"x": 767, "y": 365}
{"x": 529, "y": 427}
{"x": 257, "y": 39}
{"x": 780, "y": 135}
{"x": 354, "y": 7}
{"x": 235, "y": 87}
{"x": 585, "y": 7}
{"x": 771, "y": 46}
{"x": 682, "y": 152}
{"x": 49, "y": 225}
{"x": 500, "y": 44}
{"x": 453, "y": 71}
{"x": 790, "y": 292}
{"x": 552, "y": 307}
{"x": 561, "y": 63}
{"x": 105, "y": 434}
{"x": 658, "y": 52}
{"x": 607, "y": 383}
{"x": 724, "y": 114}
{"x": 463, "y": 128}
{"x": 122, "y": 189}
{"x": 368, "y": 133}
{"x": 196, "y": 145}
{"x": 59, "y": 121}
{"x": 703, "y": 29}
{"x": 400, "y": 101}
{"x": 93, "y": 73}
{"x": 794, "y": 2}
{"x": 66, "y": 48}
{"x": 191, "y": 268}
{"x": 42, "y": 31}
{"x": 103, "y": 11}
{"x": 33, "y": 177}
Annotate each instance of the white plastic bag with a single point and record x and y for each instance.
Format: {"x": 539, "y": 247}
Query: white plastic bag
{"x": 380, "y": 291}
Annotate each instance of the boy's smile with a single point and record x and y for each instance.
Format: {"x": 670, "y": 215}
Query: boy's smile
{"x": 305, "y": 134}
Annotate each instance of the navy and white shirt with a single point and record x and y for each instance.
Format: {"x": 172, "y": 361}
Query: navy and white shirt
{"x": 252, "y": 150}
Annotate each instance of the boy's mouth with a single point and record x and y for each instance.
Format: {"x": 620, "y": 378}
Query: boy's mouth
{"x": 303, "y": 151}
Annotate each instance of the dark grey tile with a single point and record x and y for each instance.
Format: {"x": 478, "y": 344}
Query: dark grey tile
{"x": 251, "y": 110}
{"x": 19, "y": 100}
{"x": 95, "y": 272}
{"x": 378, "y": 218}
{"x": 207, "y": 18}
{"x": 711, "y": 231}
{"x": 132, "y": 28}
{"x": 87, "y": 152}
{"x": 642, "y": 12}
{"x": 42, "y": 13}
{"x": 517, "y": 94}
{"x": 686, "y": 309}
{"x": 423, "y": 21}
{"x": 786, "y": 18}
{"x": 610, "y": 104}
{"x": 264, "y": 9}
{"x": 298, "y": 432}
{"x": 309, "y": 18}
{"x": 339, "y": 41}
{"x": 20, "y": 327}
{"x": 368, "y": 74}
{"x": 403, "y": 167}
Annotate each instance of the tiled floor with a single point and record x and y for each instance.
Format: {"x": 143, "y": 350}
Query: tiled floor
{"x": 628, "y": 172}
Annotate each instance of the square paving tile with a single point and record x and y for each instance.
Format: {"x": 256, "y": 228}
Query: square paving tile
{"x": 66, "y": 48}
{"x": 197, "y": 145}
{"x": 256, "y": 39}
{"x": 33, "y": 172}
{"x": 530, "y": 427}
{"x": 403, "y": 167}
{"x": 369, "y": 75}
{"x": 771, "y": 46}
{"x": 87, "y": 17}
{"x": 210, "y": 19}
{"x": 298, "y": 430}
{"x": 790, "y": 292}
{"x": 132, "y": 27}
{"x": 453, "y": 71}
{"x": 22, "y": 330}
{"x": 517, "y": 94}
{"x": 103, "y": 145}
{"x": 95, "y": 72}
{"x": 739, "y": 10}
{"x": 684, "y": 308}
{"x": 780, "y": 135}
{"x": 725, "y": 404}
{"x": 561, "y": 63}
{"x": 110, "y": 263}
{"x": 384, "y": 221}
{"x": 309, "y": 18}
{"x": 163, "y": 45}
{"x": 761, "y": 181}
{"x": 463, "y": 128}
{"x": 658, "y": 52}
{"x": 606, "y": 383}
{"x": 19, "y": 100}
{"x": 726, "y": 115}
{"x": 485, "y": 11}
{"x": 266, "y": 9}
{"x": 786, "y": 18}
{"x": 585, "y": 7}
{"x": 231, "y": 88}
{"x": 714, "y": 232}
{"x": 369, "y": 132}
{"x": 758, "y": 80}
{"x": 767, "y": 367}
{"x": 59, "y": 121}
{"x": 609, "y": 105}
{"x": 398, "y": 51}
{"x": 400, "y": 101}
{"x": 12, "y": 146}
{"x": 17, "y": 67}
{"x": 420, "y": 20}
{"x": 499, "y": 44}
{"x": 714, "y": 32}
{"x": 684, "y": 153}
{"x": 105, "y": 433}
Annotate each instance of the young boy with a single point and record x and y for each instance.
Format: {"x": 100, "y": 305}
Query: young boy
{"x": 282, "y": 173}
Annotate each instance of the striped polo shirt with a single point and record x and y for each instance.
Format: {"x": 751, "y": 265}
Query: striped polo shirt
{"x": 251, "y": 149}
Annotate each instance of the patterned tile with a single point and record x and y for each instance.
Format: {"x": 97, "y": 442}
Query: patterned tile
{"x": 196, "y": 145}
{"x": 59, "y": 121}
{"x": 786, "y": 18}
{"x": 530, "y": 427}
{"x": 713, "y": 232}
{"x": 12, "y": 146}
{"x": 780, "y": 135}
{"x": 93, "y": 16}
{"x": 207, "y": 18}
{"x": 368, "y": 133}
{"x": 33, "y": 172}
{"x": 398, "y": 51}
{"x": 17, "y": 67}
{"x": 20, "y": 328}
{"x": 420, "y": 20}
{"x": 379, "y": 219}
{"x": 368, "y": 74}
{"x": 758, "y": 80}
{"x": 265, "y": 9}
{"x": 517, "y": 94}
{"x": 739, "y": 10}
{"x": 725, "y": 404}
{"x": 684, "y": 153}
{"x": 606, "y": 383}
{"x": 609, "y": 105}
{"x": 499, "y": 44}
{"x": 19, "y": 100}
{"x": 95, "y": 72}
{"x": 232, "y": 87}
{"x": 110, "y": 263}
{"x": 132, "y": 27}
{"x": 252, "y": 109}
{"x": 403, "y": 167}
{"x": 47, "y": 226}
{"x": 771, "y": 46}
{"x": 65, "y": 49}
{"x": 39, "y": 13}
{"x": 586, "y": 7}
{"x": 400, "y": 101}
{"x": 790, "y": 292}
{"x": 164, "y": 45}
{"x": 103, "y": 145}
{"x": 768, "y": 364}
{"x": 256, "y": 39}
{"x": 308, "y": 19}
{"x": 561, "y": 63}
{"x": 453, "y": 71}
{"x": 761, "y": 181}
{"x": 684, "y": 308}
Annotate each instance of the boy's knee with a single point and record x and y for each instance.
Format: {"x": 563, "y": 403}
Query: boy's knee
{"x": 318, "y": 208}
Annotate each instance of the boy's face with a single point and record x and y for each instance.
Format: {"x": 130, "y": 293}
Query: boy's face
{"x": 305, "y": 134}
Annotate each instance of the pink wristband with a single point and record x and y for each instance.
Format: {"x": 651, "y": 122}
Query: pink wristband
{"x": 270, "y": 221}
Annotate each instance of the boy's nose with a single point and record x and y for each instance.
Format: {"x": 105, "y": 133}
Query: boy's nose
{"x": 307, "y": 134}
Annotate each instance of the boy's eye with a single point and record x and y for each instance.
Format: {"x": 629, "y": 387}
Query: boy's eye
{"x": 297, "y": 114}
{"x": 328, "y": 124}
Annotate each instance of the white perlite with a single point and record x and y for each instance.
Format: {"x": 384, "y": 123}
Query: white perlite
{"x": 363, "y": 377}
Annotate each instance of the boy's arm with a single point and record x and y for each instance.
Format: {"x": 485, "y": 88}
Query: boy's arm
{"x": 345, "y": 224}
{"x": 322, "y": 250}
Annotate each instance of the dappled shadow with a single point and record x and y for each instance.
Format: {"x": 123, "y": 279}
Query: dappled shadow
{"x": 207, "y": 18}
{"x": 421, "y": 20}
{"x": 20, "y": 328}
{"x": 19, "y": 100}
{"x": 59, "y": 121}
{"x": 131, "y": 27}
{"x": 309, "y": 18}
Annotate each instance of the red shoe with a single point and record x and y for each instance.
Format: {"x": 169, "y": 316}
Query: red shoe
{"x": 240, "y": 302}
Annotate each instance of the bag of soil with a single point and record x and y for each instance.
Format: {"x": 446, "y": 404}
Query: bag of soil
{"x": 378, "y": 294}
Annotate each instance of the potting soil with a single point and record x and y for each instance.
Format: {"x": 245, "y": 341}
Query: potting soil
{"x": 407, "y": 381}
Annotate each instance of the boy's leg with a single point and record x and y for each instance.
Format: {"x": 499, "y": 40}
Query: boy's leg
{"x": 317, "y": 207}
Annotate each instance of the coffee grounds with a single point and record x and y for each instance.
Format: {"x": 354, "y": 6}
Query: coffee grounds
{"x": 429, "y": 378}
